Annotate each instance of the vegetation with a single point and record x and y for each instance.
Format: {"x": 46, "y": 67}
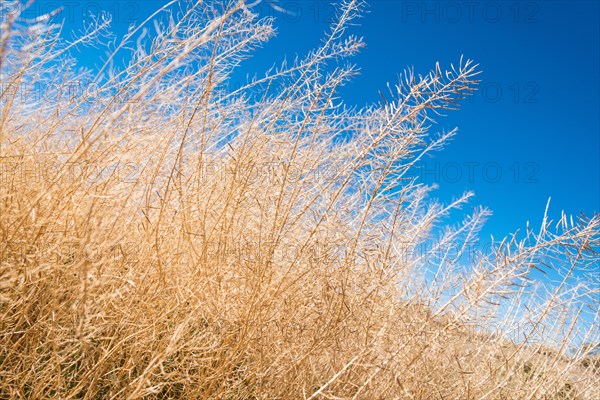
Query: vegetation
{"x": 162, "y": 236}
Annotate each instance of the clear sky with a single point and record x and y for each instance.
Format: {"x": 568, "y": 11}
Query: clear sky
{"x": 531, "y": 131}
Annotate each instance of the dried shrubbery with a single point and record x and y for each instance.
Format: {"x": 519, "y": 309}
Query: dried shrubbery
{"x": 165, "y": 237}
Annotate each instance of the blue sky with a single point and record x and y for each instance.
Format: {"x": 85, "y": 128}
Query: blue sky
{"x": 531, "y": 131}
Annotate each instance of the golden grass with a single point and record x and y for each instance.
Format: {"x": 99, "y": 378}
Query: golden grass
{"x": 163, "y": 237}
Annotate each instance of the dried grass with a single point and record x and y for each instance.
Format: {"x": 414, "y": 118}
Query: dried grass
{"x": 162, "y": 236}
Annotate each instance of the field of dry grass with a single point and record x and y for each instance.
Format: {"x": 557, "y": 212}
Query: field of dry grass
{"x": 163, "y": 237}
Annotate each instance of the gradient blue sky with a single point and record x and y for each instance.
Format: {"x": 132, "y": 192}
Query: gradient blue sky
{"x": 535, "y": 119}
